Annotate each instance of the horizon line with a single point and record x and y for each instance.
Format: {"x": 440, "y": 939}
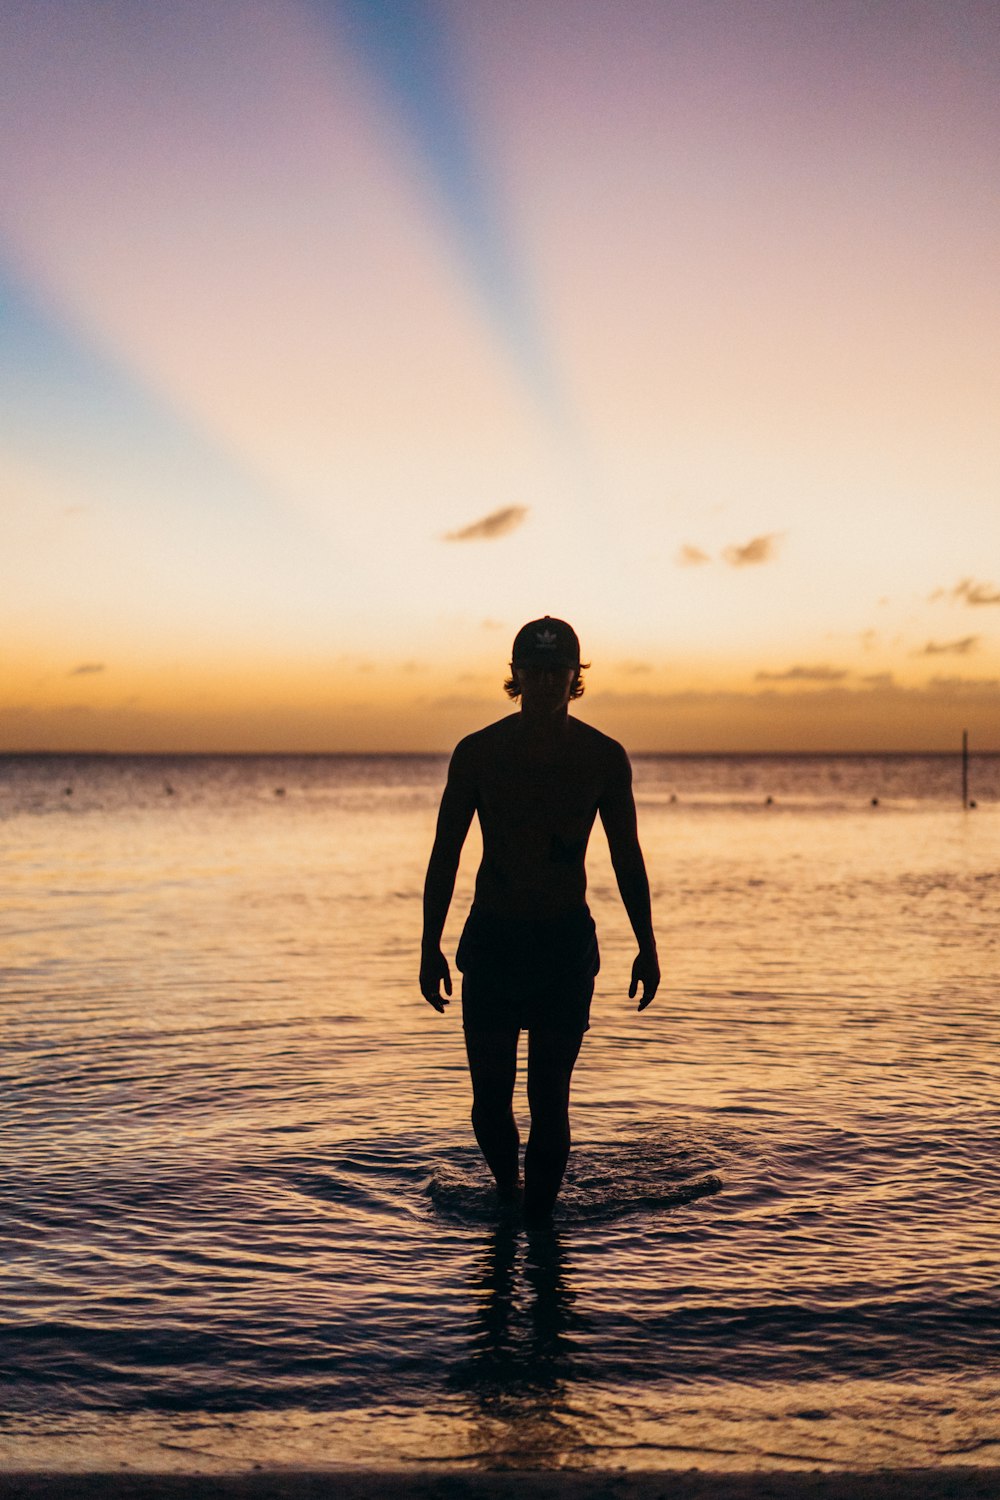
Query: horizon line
{"x": 424, "y": 754}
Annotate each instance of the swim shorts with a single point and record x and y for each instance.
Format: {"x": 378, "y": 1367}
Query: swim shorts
{"x": 526, "y": 973}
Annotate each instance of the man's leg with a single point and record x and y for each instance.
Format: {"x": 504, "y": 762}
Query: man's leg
{"x": 551, "y": 1056}
{"x": 493, "y": 1066}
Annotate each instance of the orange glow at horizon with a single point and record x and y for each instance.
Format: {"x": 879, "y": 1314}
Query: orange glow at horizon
{"x": 348, "y": 703}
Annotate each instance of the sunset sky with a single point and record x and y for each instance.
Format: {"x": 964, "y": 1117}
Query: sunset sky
{"x": 338, "y": 338}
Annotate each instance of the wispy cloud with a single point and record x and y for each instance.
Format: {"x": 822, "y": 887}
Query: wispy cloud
{"x": 634, "y": 668}
{"x": 498, "y": 523}
{"x": 964, "y": 684}
{"x": 969, "y": 591}
{"x": 86, "y": 669}
{"x": 976, "y": 593}
{"x": 820, "y": 673}
{"x": 691, "y": 557}
{"x": 760, "y": 549}
{"x": 950, "y": 648}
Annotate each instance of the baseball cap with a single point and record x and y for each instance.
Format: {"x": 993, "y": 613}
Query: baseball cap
{"x": 546, "y": 643}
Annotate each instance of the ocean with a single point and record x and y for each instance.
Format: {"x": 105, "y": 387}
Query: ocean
{"x": 244, "y": 1217}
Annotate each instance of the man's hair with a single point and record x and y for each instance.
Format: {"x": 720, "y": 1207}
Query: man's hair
{"x": 512, "y": 690}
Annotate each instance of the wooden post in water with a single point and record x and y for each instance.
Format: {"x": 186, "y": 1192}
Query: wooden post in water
{"x": 965, "y": 768}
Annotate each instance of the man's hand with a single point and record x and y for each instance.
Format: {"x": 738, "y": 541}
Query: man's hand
{"x": 434, "y": 973}
{"x": 645, "y": 971}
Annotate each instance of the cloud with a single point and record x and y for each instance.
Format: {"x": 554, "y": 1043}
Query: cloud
{"x": 760, "y": 549}
{"x": 498, "y": 523}
{"x": 950, "y": 648}
{"x": 975, "y": 593}
{"x": 691, "y": 557}
{"x": 877, "y": 689}
{"x": 821, "y": 673}
{"x": 86, "y": 669}
{"x": 634, "y": 668}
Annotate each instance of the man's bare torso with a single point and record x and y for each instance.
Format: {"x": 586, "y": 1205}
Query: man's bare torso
{"x": 537, "y": 799}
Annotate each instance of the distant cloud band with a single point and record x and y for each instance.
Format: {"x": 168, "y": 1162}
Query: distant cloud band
{"x": 821, "y": 673}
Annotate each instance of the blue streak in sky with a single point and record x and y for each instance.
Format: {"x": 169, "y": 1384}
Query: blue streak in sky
{"x": 72, "y": 406}
{"x": 405, "y": 46}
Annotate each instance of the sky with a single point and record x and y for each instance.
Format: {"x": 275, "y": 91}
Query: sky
{"x": 340, "y": 337}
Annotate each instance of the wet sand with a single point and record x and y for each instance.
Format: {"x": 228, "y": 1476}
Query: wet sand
{"x": 959, "y": 1483}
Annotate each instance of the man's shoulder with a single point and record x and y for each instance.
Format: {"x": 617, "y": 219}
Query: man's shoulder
{"x": 481, "y": 741}
{"x": 595, "y": 743}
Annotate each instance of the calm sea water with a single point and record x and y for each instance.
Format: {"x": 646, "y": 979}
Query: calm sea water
{"x": 244, "y": 1217}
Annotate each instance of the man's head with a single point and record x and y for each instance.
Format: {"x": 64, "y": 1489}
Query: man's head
{"x": 542, "y": 647}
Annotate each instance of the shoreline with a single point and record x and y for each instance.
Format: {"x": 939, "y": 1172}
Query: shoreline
{"x": 959, "y": 1482}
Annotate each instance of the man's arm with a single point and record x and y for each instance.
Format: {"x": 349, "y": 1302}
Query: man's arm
{"x": 457, "y": 807}
{"x": 617, "y": 810}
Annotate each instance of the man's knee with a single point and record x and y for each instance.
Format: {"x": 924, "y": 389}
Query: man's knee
{"x": 489, "y": 1106}
{"x": 493, "y": 1080}
{"x": 550, "y": 1071}
{"x": 548, "y": 1101}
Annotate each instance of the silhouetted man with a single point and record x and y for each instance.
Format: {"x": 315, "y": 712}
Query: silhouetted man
{"x": 528, "y": 953}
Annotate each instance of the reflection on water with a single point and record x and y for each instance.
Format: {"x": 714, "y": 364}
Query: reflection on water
{"x": 524, "y": 1339}
{"x": 524, "y": 1311}
{"x": 245, "y": 1217}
